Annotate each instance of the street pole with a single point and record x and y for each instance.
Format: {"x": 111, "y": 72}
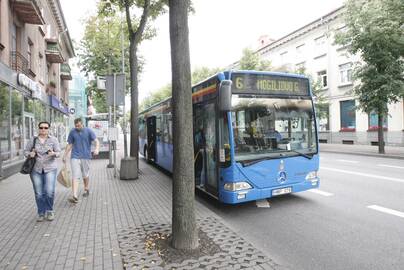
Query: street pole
{"x": 115, "y": 126}
{"x": 110, "y": 165}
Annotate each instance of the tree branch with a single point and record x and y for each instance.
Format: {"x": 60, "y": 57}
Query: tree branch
{"x": 128, "y": 19}
{"x": 139, "y": 32}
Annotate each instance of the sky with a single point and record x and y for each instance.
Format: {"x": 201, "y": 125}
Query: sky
{"x": 218, "y": 31}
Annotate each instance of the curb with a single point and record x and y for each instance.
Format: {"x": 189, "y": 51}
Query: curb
{"x": 364, "y": 154}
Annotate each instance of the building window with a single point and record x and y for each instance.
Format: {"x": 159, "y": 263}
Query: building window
{"x": 320, "y": 45}
{"x": 374, "y": 121}
{"x": 348, "y": 115}
{"x": 322, "y": 78}
{"x": 284, "y": 57}
{"x": 300, "y": 51}
{"x": 30, "y": 54}
{"x": 320, "y": 41}
{"x": 323, "y": 116}
{"x": 345, "y": 72}
{"x": 41, "y": 67}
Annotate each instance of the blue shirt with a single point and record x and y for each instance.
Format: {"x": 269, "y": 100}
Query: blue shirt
{"x": 81, "y": 141}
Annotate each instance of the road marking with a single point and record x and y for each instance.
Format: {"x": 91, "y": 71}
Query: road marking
{"x": 390, "y": 166}
{"x": 263, "y": 204}
{"x": 348, "y": 161}
{"x": 387, "y": 210}
{"x": 320, "y": 192}
{"x": 364, "y": 174}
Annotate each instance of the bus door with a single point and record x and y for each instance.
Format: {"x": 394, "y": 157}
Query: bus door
{"x": 151, "y": 138}
{"x": 205, "y": 152}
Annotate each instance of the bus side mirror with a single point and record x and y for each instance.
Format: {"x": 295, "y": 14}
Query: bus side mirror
{"x": 225, "y": 96}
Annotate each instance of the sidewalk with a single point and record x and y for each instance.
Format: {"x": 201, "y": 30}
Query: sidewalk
{"x": 363, "y": 150}
{"x": 107, "y": 230}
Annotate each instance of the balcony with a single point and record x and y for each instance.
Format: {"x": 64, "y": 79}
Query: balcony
{"x": 53, "y": 52}
{"x": 28, "y": 11}
{"x": 19, "y": 63}
{"x": 51, "y": 89}
{"x": 65, "y": 72}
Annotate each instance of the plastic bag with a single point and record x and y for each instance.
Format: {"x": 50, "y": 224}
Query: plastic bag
{"x": 64, "y": 177}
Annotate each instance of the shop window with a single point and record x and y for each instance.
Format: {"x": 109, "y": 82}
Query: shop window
{"x": 348, "y": 115}
{"x": 374, "y": 122}
{"x": 16, "y": 124}
{"x": 5, "y": 142}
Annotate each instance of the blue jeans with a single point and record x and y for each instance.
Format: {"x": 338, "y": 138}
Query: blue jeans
{"x": 44, "y": 189}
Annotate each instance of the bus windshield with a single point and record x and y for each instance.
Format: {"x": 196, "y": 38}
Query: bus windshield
{"x": 266, "y": 127}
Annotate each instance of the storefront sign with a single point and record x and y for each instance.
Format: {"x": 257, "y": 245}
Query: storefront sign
{"x": 55, "y": 103}
{"x": 29, "y": 84}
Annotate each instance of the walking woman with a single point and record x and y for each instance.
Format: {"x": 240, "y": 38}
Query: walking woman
{"x": 45, "y": 149}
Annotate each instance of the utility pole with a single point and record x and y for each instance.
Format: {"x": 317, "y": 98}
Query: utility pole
{"x": 110, "y": 165}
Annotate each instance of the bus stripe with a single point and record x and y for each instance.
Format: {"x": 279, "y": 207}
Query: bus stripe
{"x": 204, "y": 91}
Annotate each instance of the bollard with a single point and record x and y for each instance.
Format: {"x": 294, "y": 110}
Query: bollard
{"x": 129, "y": 170}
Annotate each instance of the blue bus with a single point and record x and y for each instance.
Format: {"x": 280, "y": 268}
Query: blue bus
{"x": 255, "y": 135}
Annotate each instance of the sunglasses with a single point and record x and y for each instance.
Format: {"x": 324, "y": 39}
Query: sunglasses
{"x": 43, "y": 127}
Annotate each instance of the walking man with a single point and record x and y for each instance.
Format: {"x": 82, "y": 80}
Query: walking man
{"x": 79, "y": 144}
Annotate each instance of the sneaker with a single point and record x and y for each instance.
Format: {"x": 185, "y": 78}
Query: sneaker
{"x": 50, "y": 215}
{"x": 40, "y": 218}
{"x": 86, "y": 193}
{"x": 73, "y": 199}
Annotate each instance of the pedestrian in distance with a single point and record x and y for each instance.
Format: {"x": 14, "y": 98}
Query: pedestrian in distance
{"x": 45, "y": 149}
{"x": 79, "y": 144}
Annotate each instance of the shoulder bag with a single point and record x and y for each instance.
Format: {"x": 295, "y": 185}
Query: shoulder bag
{"x": 29, "y": 163}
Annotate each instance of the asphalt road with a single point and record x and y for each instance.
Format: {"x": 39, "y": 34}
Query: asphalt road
{"x": 355, "y": 220}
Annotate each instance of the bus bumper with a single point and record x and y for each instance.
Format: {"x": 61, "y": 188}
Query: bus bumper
{"x": 234, "y": 197}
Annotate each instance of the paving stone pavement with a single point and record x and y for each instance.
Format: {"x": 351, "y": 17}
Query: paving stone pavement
{"x": 85, "y": 236}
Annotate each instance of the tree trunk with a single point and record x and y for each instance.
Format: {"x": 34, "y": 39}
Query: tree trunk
{"x": 184, "y": 230}
{"x": 380, "y": 132}
{"x": 134, "y": 112}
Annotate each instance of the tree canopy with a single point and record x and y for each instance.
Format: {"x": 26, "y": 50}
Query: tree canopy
{"x": 375, "y": 31}
{"x": 250, "y": 60}
{"x": 100, "y": 52}
{"x": 199, "y": 74}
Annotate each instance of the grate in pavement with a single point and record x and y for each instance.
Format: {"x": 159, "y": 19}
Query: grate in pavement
{"x": 236, "y": 253}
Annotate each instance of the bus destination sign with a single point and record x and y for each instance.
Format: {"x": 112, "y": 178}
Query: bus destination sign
{"x": 269, "y": 84}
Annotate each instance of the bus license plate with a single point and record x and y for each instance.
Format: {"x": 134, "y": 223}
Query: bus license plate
{"x": 281, "y": 191}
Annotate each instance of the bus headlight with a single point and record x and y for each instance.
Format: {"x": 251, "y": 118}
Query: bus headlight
{"x": 237, "y": 186}
{"x": 311, "y": 176}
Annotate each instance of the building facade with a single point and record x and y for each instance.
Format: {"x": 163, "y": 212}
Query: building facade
{"x": 35, "y": 47}
{"x": 312, "y": 48}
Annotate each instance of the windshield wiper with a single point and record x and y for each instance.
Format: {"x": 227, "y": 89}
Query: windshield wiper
{"x": 246, "y": 163}
{"x": 302, "y": 154}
